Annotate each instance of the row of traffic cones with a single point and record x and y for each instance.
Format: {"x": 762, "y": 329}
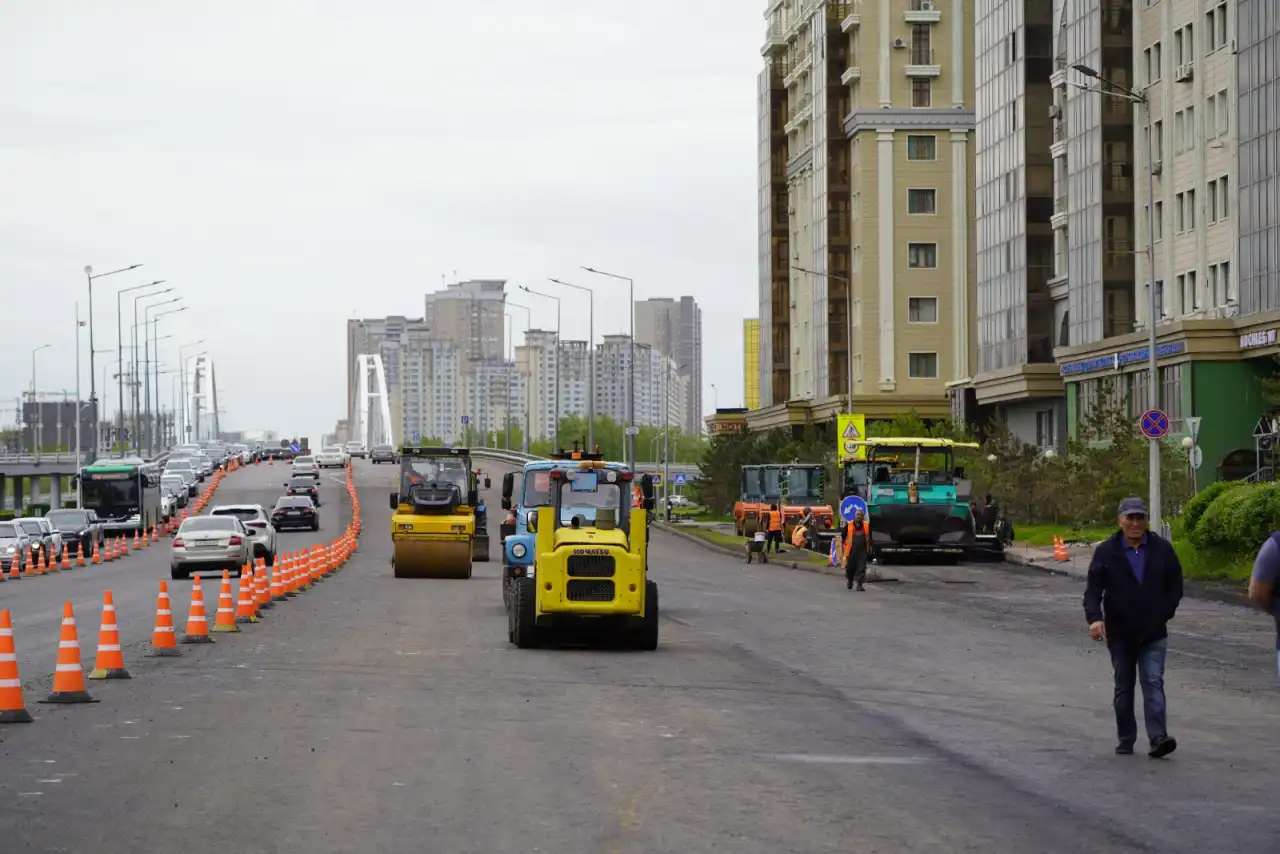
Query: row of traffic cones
{"x": 259, "y": 589}
{"x": 1060, "y": 549}
{"x": 116, "y": 548}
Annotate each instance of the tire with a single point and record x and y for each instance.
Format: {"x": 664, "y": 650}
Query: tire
{"x": 178, "y": 574}
{"x": 270, "y": 558}
{"x": 523, "y": 610}
{"x": 315, "y": 526}
{"x": 647, "y": 635}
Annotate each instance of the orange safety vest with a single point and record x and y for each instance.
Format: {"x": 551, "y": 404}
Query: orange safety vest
{"x": 772, "y": 519}
{"x": 637, "y": 497}
{"x": 849, "y": 531}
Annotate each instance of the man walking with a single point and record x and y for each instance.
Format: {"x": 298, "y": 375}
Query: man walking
{"x": 856, "y": 544}
{"x": 1264, "y": 585}
{"x": 1134, "y": 587}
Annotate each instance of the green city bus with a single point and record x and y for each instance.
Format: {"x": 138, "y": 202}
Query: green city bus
{"x": 125, "y": 494}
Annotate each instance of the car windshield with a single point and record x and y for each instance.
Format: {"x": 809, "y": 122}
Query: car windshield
{"x": 67, "y": 518}
{"x": 179, "y": 465}
{"x": 382, "y": 448}
{"x": 302, "y": 483}
{"x": 8, "y": 531}
{"x": 172, "y": 480}
{"x": 208, "y": 523}
{"x": 244, "y": 514}
{"x": 332, "y": 449}
{"x": 439, "y": 470}
{"x": 536, "y": 491}
{"x": 31, "y": 526}
{"x": 303, "y": 460}
{"x": 294, "y": 501}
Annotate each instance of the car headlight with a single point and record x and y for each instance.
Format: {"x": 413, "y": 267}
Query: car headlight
{"x": 519, "y": 550}
{"x": 9, "y": 550}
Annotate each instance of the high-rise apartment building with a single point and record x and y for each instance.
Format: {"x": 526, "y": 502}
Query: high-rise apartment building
{"x": 867, "y": 276}
{"x": 470, "y": 315}
{"x": 384, "y": 337}
{"x": 429, "y": 390}
{"x": 751, "y": 362}
{"x": 674, "y": 328}
{"x": 1015, "y": 374}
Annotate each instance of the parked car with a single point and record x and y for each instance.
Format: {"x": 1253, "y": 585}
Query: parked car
{"x": 13, "y": 546}
{"x": 307, "y": 486}
{"x": 185, "y": 467}
{"x": 356, "y": 449}
{"x": 257, "y": 523}
{"x": 176, "y": 482}
{"x": 383, "y": 454}
{"x": 77, "y": 527}
{"x": 42, "y": 535}
{"x": 332, "y": 457}
{"x": 295, "y": 511}
{"x": 209, "y": 543}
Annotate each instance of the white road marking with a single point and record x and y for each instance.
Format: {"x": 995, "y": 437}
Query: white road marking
{"x": 831, "y": 759}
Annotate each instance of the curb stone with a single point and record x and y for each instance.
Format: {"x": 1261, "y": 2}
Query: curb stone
{"x": 873, "y": 574}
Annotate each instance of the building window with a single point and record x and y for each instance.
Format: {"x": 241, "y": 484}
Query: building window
{"x": 1218, "y": 199}
{"x": 922, "y": 256}
{"x": 1184, "y": 48}
{"x": 1046, "y": 436}
{"x": 922, "y": 201}
{"x": 922, "y": 366}
{"x": 1215, "y": 28}
{"x": 921, "y": 92}
{"x": 1171, "y": 395}
{"x": 922, "y": 147}
{"x": 922, "y": 309}
{"x": 1158, "y": 225}
{"x": 1152, "y": 56}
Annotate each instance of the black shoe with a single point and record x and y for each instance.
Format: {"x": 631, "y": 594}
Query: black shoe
{"x": 860, "y": 587}
{"x": 1162, "y": 746}
{"x": 848, "y": 582}
{"x": 1124, "y": 748}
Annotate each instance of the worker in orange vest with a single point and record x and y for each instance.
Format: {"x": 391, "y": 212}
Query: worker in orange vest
{"x": 857, "y": 545}
{"x": 771, "y": 521}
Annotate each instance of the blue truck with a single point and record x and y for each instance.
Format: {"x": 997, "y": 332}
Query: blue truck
{"x": 535, "y": 492}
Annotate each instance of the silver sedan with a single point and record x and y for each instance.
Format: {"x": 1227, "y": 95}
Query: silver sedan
{"x": 209, "y": 544}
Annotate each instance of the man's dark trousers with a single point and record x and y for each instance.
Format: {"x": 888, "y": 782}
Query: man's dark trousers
{"x": 1145, "y": 662}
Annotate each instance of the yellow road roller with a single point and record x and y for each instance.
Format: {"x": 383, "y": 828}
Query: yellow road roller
{"x": 433, "y": 528}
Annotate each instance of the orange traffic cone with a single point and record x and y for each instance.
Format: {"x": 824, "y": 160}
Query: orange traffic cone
{"x": 261, "y": 588}
{"x": 80, "y": 561}
{"x": 137, "y": 541}
{"x": 68, "y": 675}
{"x": 164, "y": 644}
{"x": 1060, "y": 549}
{"x": 246, "y": 608}
{"x": 14, "y": 575}
{"x": 66, "y": 558}
{"x": 225, "y": 619}
{"x": 277, "y": 580}
{"x": 31, "y": 561}
{"x": 110, "y": 663}
{"x": 12, "y": 708}
{"x": 97, "y": 554}
{"x": 197, "y": 620}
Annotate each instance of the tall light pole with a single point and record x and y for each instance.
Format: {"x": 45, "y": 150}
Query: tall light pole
{"x": 1138, "y": 96}
{"x": 79, "y": 412}
{"x": 559, "y": 355}
{"x": 93, "y": 391}
{"x": 182, "y": 386}
{"x": 150, "y": 330}
{"x": 591, "y": 355}
{"x": 133, "y": 377}
{"x": 35, "y": 401}
{"x": 100, "y": 415}
{"x": 528, "y": 408}
{"x": 120, "y": 348}
{"x": 631, "y": 373}
{"x": 848, "y": 323}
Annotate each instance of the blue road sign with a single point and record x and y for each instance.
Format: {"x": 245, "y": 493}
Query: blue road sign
{"x": 466, "y": 419}
{"x": 417, "y": 437}
{"x": 680, "y": 479}
{"x": 295, "y": 447}
{"x": 1155, "y": 424}
{"x": 656, "y": 478}
{"x": 851, "y": 505}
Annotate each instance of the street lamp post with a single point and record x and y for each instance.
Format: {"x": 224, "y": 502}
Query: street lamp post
{"x": 631, "y": 368}
{"x": 848, "y": 324}
{"x": 591, "y": 355}
{"x": 528, "y": 322}
{"x": 79, "y": 412}
{"x": 93, "y": 391}
{"x": 38, "y": 424}
{"x": 100, "y": 415}
{"x": 1137, "y": 96}
{"x": 133, "y": 377}
{"x": 151, "y": 329}
{"x": 120, "y": 348}
{"x": 559, "y": 356}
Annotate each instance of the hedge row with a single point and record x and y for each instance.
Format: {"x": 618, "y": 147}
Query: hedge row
{"x": 1232, "y": 517}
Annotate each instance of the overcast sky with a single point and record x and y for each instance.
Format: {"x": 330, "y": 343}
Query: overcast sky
{"x": 286, "y": 165}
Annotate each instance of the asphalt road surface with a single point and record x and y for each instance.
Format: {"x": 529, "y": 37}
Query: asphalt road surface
{"x": 962, "y": 709}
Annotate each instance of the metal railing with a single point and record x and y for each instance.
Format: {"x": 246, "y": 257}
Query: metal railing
{"x": 61, "y": 458}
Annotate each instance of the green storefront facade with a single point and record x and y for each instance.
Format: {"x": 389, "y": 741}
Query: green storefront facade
{"x": 1208, "y": 368}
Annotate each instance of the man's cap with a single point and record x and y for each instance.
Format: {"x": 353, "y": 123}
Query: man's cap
{"x": 1133, "y": 507}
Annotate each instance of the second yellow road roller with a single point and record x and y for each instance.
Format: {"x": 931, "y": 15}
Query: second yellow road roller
{"x": 433, "y": 529}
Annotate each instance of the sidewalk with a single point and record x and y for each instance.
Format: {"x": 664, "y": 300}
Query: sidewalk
{"x": 1041, "y": 557}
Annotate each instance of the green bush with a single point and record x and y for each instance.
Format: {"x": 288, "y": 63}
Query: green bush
{"x": 35, "y": 509}
{"x": 1196, "y": 507}
{"x": 1239, "y": 519}
{"x": 6, "y": 515}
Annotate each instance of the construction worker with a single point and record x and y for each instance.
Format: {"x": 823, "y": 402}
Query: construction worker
{"x": 857, "y": 545}
{"x": 771, "y": 522}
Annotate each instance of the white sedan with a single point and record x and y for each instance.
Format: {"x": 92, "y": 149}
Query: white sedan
{"x": 331, "y": 457}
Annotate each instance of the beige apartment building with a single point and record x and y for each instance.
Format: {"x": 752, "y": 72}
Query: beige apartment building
{"x": 867, "y": 275}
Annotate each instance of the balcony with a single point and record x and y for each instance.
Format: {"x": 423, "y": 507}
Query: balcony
{"x": 851, "y": 22}
{"x": 923, "y": 12}
{"x": 774, "y": 42}
{"x": 800, "y": 67}
{"x": 852, "y": 73}
{"x": 801, "y": 115}
{"x": 923, "y": 63}
{"x": 1058, "y": 149}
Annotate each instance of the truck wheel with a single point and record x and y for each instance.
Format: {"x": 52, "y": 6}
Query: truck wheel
{"x": 524, "y": 632}
{"x": 647, "y": 635}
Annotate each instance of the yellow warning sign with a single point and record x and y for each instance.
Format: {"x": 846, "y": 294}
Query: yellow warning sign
{"x": 852, "y": 430}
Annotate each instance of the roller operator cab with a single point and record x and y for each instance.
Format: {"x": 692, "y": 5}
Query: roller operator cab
{"x": 437, "y": 528}
{"x": 917, "y": 499}
{"x": 587, "y": 573}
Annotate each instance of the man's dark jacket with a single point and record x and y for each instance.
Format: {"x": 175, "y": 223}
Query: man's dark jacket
{"x": 1132, "y": 611}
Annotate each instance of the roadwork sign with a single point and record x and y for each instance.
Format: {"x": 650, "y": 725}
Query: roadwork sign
{"x": 853, "y": 430}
